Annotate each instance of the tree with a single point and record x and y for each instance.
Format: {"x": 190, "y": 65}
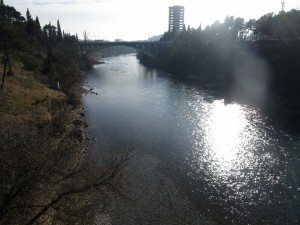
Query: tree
{"x": 31, "y": 26}
{"x": 199, "y": 28}
{"x": 37, "y": 182}
{"x": 251, "y": 25}
{"x": 229, "y": 22}
{"x": 239, "y": 26}
{"x": 286, "y": 24}
{"x": 59, "y": 33}
{"x": 28, "y": 15}
{"x": 85, "y": 37}
{"x": 10, "y": 15}
{"x": 50, "y": 34}
{"x": 216, "y": 31}
{"x": 8, "y": 36}
{"x": 1, "y": 3}
{"x": 264, "y": 26}
{"x": 37, "y": 22}
{"x": 6, "y": 62}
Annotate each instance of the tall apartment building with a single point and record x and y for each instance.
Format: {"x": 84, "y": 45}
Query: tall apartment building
{"x": 176, "y": 18}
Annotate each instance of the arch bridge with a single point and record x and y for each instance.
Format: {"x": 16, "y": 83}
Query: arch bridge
{"x": 149, "y": 48}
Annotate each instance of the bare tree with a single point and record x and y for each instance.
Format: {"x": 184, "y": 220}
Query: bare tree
{"x": 6, "y": 62}
{"x": 47, "y": 180}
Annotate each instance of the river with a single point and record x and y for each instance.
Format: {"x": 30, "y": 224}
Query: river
{"x": 236, "y": 163}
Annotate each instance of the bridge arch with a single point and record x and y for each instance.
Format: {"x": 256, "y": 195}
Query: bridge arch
{"x": 148, "y": 48}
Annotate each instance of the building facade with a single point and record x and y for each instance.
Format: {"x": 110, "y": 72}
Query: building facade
{"x": 176, "y": 18}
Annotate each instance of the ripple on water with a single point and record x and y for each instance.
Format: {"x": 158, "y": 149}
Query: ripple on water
{"x": 229, "y": 156}
{"x": 246, "y": 167}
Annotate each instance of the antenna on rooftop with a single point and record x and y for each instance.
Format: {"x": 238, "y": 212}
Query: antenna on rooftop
{"x": 282, "y": 5}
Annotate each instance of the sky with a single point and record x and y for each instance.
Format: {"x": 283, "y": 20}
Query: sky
{"x": 139, "y": 19}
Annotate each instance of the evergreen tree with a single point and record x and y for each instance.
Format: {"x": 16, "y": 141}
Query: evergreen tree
{"x": 10, "y": 15}
{"x": 51, "y": 34}
{"x": 37, "y": 22}
{"x": 189, "y": 29}
{"x": 200, "y": 28}
{"x": 59, "y": 33}
{"x": 31, "y": 27}
{"x": 28, "y": 15}
{"x": 1, "y": 11}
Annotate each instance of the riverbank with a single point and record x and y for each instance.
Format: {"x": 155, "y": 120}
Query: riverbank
{"x": 252, "y": 69}
{"x": 42, "y": 141}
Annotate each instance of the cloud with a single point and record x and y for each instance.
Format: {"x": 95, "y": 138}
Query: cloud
{"x": 67, "y": 2}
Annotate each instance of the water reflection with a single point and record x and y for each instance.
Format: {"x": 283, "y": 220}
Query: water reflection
{"x": 236, "y": 158}
{"x": 226, "y": 156}
{"x": 224, "y": 132}
{"x": 224, "y": 136}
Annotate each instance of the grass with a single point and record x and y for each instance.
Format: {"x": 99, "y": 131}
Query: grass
{"x": 24, "y": 98}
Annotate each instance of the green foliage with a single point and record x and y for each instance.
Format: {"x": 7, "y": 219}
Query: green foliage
{"x": 59, "y": 33}
{"x": 69, "y": 39}
{"x": 50, "y": 35}
{"x": 9, "y": 14}
{"x": 32, "y": 63}
{"x": 213, "y": 54}
{"x": 62, "y": 65}
{"x": 284, "y": 25}
{"x": 54, "y": 36}
{"x": 16, "y": 33}
{"x": 28, "y": 15}
{"x": 28, "y": 41}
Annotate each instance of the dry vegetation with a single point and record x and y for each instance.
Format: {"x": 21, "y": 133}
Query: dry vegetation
{"x": 45, "y": 174}
{"x": 24, "y": 99}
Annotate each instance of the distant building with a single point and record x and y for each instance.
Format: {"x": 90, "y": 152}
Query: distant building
{"x": 176, "y": 18}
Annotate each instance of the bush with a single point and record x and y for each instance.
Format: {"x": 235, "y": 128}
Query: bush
{"x": 32, "y": 63}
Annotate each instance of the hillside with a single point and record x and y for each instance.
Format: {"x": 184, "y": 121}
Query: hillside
{"x": 25, "y": 98}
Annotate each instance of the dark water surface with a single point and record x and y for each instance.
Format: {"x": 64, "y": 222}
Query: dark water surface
{"x": 235, "y": 163}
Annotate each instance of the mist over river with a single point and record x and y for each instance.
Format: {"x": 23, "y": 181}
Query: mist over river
{"x": 236, "y": 163}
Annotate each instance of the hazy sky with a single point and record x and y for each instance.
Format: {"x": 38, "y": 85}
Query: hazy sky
{"x": 139, "y": 19}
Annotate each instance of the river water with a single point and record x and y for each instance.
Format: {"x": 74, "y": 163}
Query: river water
{"x": 235, "y": 162}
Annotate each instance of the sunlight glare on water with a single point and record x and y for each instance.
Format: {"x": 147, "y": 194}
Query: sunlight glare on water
{"x": 224, "y": 130}
{"x": 229, "y": 148}
{"x": 224, "y": 136}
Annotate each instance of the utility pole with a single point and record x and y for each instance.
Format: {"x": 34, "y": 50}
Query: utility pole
{"x": 282, "y": 5}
